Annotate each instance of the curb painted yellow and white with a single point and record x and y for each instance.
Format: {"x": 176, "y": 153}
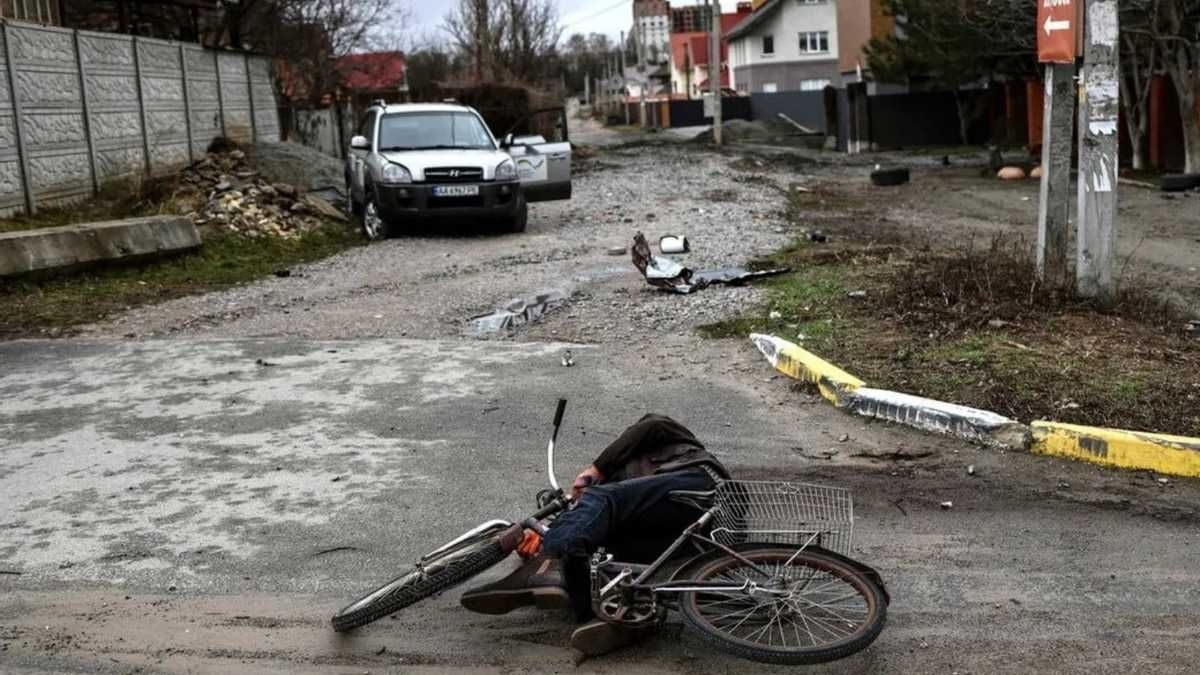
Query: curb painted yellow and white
{"x": 1174, "y": 455}
{"x": 790, "y": 359}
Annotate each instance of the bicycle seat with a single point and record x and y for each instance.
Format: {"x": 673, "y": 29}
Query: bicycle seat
{"x": 701, "y": 499}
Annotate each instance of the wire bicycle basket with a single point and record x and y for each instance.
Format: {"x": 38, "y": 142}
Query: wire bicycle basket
{"x": 784, "y": 513}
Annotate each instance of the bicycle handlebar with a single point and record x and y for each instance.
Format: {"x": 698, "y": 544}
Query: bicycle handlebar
{"x": 558, "y": 414}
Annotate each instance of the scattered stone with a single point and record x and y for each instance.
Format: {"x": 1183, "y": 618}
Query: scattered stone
{"x": 998, "y": 323}
{"x": 226, "y": 193}
{"x": 818, "y": 237}
{"x": 947, "y": 505}
{"x": 775, "y": 315}
{"x": 857, "y": 295}
{"x": 1163, "y": 481}
{"x": 1063, "y": 485}
{"x": 843, "y": 438}
{"x": 283, "y": 274}
{"x": 617, "y": 250}
{"x": 971, "y": 470}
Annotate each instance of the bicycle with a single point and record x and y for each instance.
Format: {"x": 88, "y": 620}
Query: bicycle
{"x": 768, "y": 579}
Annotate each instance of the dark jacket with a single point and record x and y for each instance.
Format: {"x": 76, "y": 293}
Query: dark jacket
{"x": 656, "y": 444}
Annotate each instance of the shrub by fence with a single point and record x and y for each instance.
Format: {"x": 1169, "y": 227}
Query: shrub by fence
{"x": 78, "y": 109}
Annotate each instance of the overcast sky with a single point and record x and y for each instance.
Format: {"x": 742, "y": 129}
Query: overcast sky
{"x": 576, "y": 16}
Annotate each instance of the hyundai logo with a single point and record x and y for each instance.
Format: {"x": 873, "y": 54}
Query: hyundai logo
{"x": 454, "y": 173}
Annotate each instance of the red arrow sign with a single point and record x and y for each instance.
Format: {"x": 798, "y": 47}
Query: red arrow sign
{"x": 1057, "y": 21}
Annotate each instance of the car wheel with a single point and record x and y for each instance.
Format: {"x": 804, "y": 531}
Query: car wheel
{"x": 373, "y": 224}
{"x": 516, "y": 224}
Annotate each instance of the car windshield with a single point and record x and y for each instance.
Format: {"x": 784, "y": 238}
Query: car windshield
{"x": 433, "y": 131}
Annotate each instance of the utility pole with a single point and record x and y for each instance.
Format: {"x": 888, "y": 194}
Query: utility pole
{"x": 587, "y": 89}
{"x": 714, "y": 67}
{"x": 1058, "y": 26}
{"x": 1100, "y": 101}
{"x": 624, "y": 83}
{"x": 1054, "y": 210}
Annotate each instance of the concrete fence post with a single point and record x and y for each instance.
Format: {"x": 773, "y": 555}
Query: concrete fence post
{"x": 250, "y": 97}
{"x": 187, "y": 104}
{"x": 87, "y": 113}
{"x": 141, "y": 97}
{"x": 14, "y": 93}
{"x": 220, "y": 96}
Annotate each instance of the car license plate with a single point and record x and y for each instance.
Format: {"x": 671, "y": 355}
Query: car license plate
{"x": 455, "y": 190}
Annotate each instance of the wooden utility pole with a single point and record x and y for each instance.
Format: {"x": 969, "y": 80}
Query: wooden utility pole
{"x": 714, "y": 66}
{"x": 624, "y": 82}
{"x": 1100, "y": 101}
{"x": 1054, "y": 210}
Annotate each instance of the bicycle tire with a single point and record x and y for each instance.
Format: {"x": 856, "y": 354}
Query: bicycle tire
{"x": 416, "y": 585}
{"x": 873, "y": 596}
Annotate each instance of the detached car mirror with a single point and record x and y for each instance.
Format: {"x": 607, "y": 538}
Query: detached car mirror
{"x": 360, "y": 143}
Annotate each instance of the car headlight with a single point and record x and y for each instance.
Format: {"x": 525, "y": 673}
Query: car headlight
{"x": 394, "y": 173}
{"x": 506, "y": 171}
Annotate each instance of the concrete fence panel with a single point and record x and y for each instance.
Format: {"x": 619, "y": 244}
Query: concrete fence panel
{"x": 79, "y": 109}
{"x": 49, "y": 106}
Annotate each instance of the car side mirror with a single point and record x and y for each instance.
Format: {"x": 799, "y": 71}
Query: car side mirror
{"x": 507, "y": 141}
{"x": 360, "y": 143}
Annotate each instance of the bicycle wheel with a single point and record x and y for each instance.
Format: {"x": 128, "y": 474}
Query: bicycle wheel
{"x": 420, "y": 583}
{"x": 814, "y": 609}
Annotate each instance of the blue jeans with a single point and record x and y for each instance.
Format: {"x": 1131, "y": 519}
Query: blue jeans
{"x": 633, "y": 519}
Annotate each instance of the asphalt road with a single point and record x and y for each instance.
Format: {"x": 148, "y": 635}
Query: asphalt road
{"x": 174, "y": 505}
{"x": 204, "y": 503}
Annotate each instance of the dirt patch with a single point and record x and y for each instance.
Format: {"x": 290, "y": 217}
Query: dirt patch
{"x": 970, "y": 324}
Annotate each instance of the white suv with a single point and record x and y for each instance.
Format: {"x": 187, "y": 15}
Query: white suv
{"x": 439, "y": 163}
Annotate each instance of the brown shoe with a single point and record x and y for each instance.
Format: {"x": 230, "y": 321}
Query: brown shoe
{"x": 537, "y": 583}
{"x": 598, "y": 638}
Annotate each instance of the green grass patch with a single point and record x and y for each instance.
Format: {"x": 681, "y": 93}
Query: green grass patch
{"x": 32, "y": 307}
{"x": 116, "y": 200}
{"x": 970, "y": 328}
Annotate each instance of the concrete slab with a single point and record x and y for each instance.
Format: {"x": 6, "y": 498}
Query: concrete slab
{"x": 58, "y": 248}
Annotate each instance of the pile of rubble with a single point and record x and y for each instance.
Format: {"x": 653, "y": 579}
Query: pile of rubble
{"x": 228, "y": 194}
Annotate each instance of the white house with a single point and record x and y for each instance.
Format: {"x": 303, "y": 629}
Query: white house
{"x": 786, "y": 45}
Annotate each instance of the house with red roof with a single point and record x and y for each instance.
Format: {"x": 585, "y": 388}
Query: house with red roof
{"x": 690, "y": 56}
{"x": 368, "y": 77}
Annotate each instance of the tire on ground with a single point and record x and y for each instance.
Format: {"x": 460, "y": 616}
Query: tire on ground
{"x": 1180, "y": 182}
{"x": 409, "y": 589}
{"x": 888, "y": 177}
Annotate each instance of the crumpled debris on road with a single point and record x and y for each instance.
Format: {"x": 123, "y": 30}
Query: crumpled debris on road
{"x": 226, "y": 192}
{"x": 517, "y": 313}
{"x": 671, "y": 276}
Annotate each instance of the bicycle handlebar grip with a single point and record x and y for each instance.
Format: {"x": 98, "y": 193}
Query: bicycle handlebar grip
{"x": 558, "y": 414}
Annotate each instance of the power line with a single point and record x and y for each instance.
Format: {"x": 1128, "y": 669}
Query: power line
{"x": 597, "y": 13}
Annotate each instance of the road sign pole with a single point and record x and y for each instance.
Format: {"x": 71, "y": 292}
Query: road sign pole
{"x": 1055, "y": 207}
{"x": 1100, "y": 90}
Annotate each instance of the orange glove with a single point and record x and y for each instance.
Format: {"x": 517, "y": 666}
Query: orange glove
{"x": 530, "y": 546}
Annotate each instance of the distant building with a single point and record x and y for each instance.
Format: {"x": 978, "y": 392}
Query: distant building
{"x": 652, "y": 30}
{"x": 690, "y": 54}
{"x": 804, "y": 45}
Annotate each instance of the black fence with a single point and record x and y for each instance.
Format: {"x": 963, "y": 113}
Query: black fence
{"x": 804, "y": 107}
{"x": 926, "y": 118}
{"x": 691, "y": 113}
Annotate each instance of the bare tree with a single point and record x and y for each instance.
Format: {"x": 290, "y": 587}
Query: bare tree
{"x": 1139, "y": 65}
{"x": 507, "y": 39}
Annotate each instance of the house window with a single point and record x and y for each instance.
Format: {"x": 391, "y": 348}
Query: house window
{"x": 813, "y": 85}
{"x": 816, "y": 42}
{"x": 768, "y": 45}
{"x": 770, "y": 87}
